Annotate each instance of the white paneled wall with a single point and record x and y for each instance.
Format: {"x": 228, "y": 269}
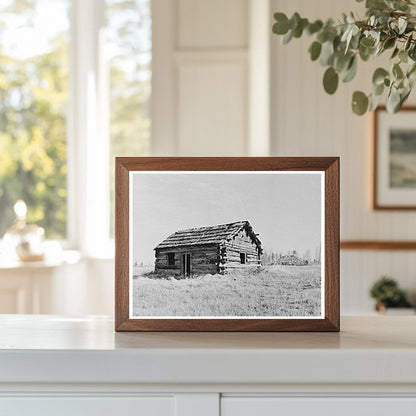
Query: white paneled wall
{"x": 305, "y": 121}
{"x": 212, "y": 24}
{"x": 203, "y": 67}
{"x": 212, "y": 103}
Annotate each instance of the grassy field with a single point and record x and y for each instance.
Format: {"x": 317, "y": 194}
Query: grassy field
{"x": 270, "y": 291}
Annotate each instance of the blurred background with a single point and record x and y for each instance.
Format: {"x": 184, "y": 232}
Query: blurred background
{"x": 83, "y": 81}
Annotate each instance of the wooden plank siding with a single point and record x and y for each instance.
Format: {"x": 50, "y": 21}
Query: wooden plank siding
{"x": 240, "y": 243}
{"x": 204, "y": 259}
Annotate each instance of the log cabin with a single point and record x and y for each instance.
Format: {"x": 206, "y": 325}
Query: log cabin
{"x": 209, "y": 250}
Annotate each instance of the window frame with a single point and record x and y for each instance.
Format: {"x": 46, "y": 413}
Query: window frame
{"x": 87, "y": 132}
{"x": 88, "y": 137}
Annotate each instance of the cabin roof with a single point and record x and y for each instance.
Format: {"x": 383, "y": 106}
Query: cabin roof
{"x": 215, "y": 234}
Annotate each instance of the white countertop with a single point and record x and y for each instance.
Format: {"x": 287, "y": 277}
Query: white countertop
{"x": 53, "y": 349}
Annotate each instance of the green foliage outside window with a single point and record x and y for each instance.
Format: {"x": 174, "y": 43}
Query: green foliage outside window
{"x": 33, "y": 99}
{"x": 34, "y": 104}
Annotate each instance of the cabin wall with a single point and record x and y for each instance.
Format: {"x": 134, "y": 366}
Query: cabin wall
{"x": 204, "y": 259}
{"x": 241, "y": 243}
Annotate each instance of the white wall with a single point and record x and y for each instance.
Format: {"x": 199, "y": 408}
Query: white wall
{"x": 308, "y": 122}
{"x": 202, "y": 81}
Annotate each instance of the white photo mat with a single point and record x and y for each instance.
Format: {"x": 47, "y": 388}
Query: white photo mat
{"x": 137, "y": 175}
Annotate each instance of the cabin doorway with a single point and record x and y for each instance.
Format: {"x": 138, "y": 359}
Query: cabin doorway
{"x": 186, "y": 264}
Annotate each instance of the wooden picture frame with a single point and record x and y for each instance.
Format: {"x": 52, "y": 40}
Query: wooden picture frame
{"x": 131, "y": 167}
{"x": 394, "y": 185}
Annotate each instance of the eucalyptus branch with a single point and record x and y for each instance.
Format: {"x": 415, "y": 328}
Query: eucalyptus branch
{"x": 388, "y": 25}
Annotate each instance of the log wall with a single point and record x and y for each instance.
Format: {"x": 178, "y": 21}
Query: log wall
{"x": 230, "y": 252}
{"x": 204, "y": 259}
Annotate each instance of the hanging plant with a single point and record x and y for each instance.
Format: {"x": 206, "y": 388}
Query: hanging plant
{"x": 388, "y": 27}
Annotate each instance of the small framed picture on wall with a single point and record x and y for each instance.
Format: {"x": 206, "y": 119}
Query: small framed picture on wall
{"x": 227, "y": 244}
{"x": 394, "y": 178}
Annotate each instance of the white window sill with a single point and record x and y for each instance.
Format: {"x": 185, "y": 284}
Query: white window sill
{"x": 64, "y": 257}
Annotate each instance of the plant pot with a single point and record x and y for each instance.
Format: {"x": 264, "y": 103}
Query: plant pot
{"x": 382, "y": 309}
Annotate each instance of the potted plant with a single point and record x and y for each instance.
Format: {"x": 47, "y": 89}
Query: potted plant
{"x": 387, "y": 294}
{"x": 389, "y": 27}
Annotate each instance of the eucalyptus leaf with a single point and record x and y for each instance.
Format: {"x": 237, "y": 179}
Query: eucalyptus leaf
{"x": 374, "y": 102}
{"x": 314, "y": 27}
{"x": 402, "y": 22}
{"x": 397, "y": 71}
{"x": 359, "y": 103}
{"x": 353, "y": 30}
{"x": 403, "y": 56}
{"x": 288, "y": 37}
{"x": 366, "y": 53}
{"x": 355, "y": 41}
{"x": 342, "y": 62}
{"x": 315, "y": 50}
{"x": 378, "y": 89}
{"x": 322, "y": 36}
{"x": 330, "y": 80}
{"x": 327, "y": 54}
{"x": 376, "y": 4}
{"x": 294, "y": 20}
{"x": 379, "y": 75}
{"x": 412, "y": 70}
{"x": 411, "y": 78}
{"x": 400, "y": 5}
{"x": 281, "y": 26}
{"x": 389, "y": 43}
{"x": 350, "y": 18}
{"x": 346, "y": 34}
{"x": 412, "y": 52}
{"x": 395, "y": 52}
{"x": 298, "y": 30}
{"x": 393, "y": 101}
{"x": 367, "y": 42}
{"x": 350, "y": 73}
{"x": 404, "y": 96}
{"x": 408, "y": 42}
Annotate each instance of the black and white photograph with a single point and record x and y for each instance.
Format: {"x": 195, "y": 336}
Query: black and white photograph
{"x": 226, "y": 244}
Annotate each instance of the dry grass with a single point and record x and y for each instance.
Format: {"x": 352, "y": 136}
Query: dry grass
{"x": 270, "y": 291}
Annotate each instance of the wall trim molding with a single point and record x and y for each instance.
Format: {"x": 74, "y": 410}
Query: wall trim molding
{"x": 377, "y": 245}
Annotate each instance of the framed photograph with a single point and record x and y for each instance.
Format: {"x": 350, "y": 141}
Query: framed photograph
{"x": 227, "y": 244}
{"x": 394, "y": 176}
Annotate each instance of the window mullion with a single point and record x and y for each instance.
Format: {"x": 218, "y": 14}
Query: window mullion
{"x": 88, "y": 136}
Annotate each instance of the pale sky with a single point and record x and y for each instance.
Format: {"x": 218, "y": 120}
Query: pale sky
{"x": 284, "y": 209}
{"x": 21, "y": 41}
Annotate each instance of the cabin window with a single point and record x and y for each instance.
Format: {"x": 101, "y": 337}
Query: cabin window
{"x": 243, "y": 258}
{"x": 171, "y": 259}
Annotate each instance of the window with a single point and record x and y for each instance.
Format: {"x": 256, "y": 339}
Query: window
{"x": 243, "y": 258}
{"x": 33, "y": 112}
{"x": 129, "y": 46}
{"x": 171, "y": 259}
{"x": 75, "y": 87}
